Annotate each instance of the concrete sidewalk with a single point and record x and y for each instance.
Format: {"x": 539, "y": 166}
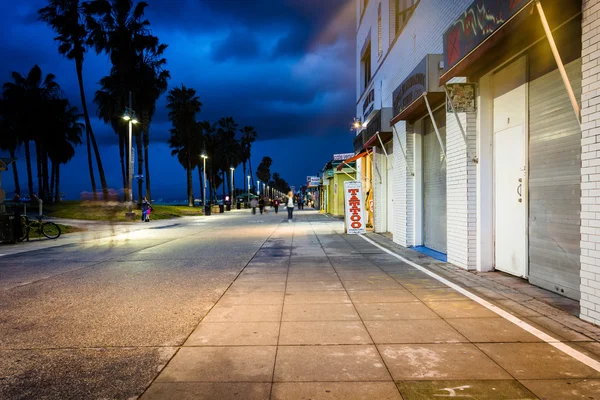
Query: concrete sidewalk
{"x": 320, "y": 315}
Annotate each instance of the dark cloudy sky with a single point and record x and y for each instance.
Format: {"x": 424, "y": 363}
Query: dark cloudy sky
{"x": 285, "y": 67}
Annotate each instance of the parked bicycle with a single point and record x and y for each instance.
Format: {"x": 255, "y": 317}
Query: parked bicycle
{"x": 48, "y": 229}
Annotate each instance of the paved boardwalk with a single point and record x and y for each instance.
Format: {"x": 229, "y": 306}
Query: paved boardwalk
{"x": 319, "y": 315}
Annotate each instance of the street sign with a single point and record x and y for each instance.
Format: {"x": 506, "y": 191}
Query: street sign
{"x": 342, "y": 156}
{"x": 354, "y": 204}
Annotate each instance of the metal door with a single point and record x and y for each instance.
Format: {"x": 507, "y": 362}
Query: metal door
{"x": 434, "y": 186}
{"x": 510, "y": 168}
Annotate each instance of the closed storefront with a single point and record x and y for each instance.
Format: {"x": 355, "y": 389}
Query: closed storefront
{"x": 389, "y": 199}
{"x": 554, "y": 183}
{"x": 434, "y": 183}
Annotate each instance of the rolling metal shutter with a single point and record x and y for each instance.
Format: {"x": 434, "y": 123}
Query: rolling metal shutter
{"x": 554, "y": 184}
{"x": 434, "y": 185}
{"x": 390, "y": 186}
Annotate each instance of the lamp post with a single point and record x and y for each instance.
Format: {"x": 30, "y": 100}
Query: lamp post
{"x": 248, "y": 189}
{"x": 204, "y": 157}
{"x": 258, "y": 187}
{"x": 232, "y": 186}
{"x": 130, "y": 117}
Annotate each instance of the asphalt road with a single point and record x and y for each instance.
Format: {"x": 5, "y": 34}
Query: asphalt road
{"x": 98, "y": 318}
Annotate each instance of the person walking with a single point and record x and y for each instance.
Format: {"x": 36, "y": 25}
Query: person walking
{"x": 276, "y": 205}
{"x": 145, "y": 208}
{"x": 261, "y": 204}
{"x": 253, "y": 204}
{"x": 290, "y": 206}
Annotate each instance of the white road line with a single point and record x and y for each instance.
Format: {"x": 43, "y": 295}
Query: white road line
{"x": 590, "y": 362}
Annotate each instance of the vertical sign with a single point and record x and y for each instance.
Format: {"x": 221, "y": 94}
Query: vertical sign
{"x": 354, "y": 204}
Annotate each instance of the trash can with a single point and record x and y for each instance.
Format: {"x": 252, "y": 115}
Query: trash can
{"x": 238, "y": 206}
{"x": 228, "y": 207}
{"x": 206, "y": 210}
{"x": 10, "y": 227}
{"x": 221, "y": 208}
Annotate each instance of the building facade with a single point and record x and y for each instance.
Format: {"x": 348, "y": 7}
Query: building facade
{"x": 490, "y": 155}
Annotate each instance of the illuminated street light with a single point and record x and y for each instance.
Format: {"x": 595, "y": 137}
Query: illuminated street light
{"x": 204, "y": 157}
{"x": 232, "y": 186}
{"x": 248, "y": 189}
{"x": 130, "y": 117}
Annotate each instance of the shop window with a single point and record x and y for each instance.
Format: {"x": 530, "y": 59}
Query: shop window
{"x": 403, "y": 11}
{"x": 365, "y": 64}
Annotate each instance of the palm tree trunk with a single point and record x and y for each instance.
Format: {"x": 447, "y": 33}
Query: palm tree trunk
{"x": 223, "y": 184}
{"x": 45, "y": 173}
{"x": 38, "y": 159}
{"x": 88, "y": 127}
{"x": 140, "y": 163}
{"x": 251, "y": 175}
{"x": 52, "y": 175}
{"x": 201, "y": 185}
{"x": 127, "y": 156}
{"x": 245, "y": 178}
{"x": 57, "y": 182}
{"x": 122, "y": 155}
{"x": 15, "y": 174}
{"x": 29, "y": 174}
{"x": 190, "y": 189}
{"x": 146, "y": 133}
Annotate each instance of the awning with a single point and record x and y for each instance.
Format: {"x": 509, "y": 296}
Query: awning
{"x": 469, "y": 52}
{"x": 418, "y": 108}
{"x": 374, "y": 141}
{"x": 351, "y": 159}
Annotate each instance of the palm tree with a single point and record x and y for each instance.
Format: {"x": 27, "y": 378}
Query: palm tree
{"x": 206, "y": 133}
{"x": 151, "y": 84}
{"x": 248, "y": 137}
{"x": 28, "y": 98}
{"x": 9, "y": 139}
{"x": 67, "y": 19}
{"x": 66, "y": 133}
{"x": 228, "y": 150}
{"x": 183, "y": 105}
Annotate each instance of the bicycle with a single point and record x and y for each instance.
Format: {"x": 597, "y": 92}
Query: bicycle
{"x": 48, "y": 229}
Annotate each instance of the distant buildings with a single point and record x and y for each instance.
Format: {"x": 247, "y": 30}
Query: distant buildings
{"x": 508, "y": 182}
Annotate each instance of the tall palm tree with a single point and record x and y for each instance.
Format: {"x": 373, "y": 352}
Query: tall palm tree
{"x": 151, "y": 84}
{"x": 67, "y": 19}
{"x": 228, "y": 150}
{"x": 206, "y": 133}
{"x": 9, "y": 139}
{"x": 28, "y": 97}
{"x": 66, "y": 134}
{"x": 183, "y": 105}
{"x": 248, "y": 137}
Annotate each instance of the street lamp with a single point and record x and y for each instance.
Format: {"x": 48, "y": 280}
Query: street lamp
{"x": 248, "y": 189}
{"x": 204, "y": 157}
{"x": 257, "y": 187}
{"x": 130, "y": 117}
{"x": 232, "y": 186}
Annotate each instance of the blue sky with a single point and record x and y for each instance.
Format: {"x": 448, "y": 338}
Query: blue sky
{"x": 285, "y": 67}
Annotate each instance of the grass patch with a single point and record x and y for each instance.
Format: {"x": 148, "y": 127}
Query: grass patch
{"x": 113, "y": 211}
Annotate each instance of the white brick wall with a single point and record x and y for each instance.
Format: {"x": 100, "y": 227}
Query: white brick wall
{"x": 461, "y": 190}
{"x": 590, "y": 171}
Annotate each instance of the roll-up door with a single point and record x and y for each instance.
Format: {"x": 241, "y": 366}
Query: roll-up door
{"x": 554, "y": 183}
{"x": 390, "y": 186}
{"x": 434, "y": 184}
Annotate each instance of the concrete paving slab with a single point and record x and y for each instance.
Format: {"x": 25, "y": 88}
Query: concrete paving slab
{"x": 394, "y": 311}
{"x": 381, "y": 296}
{"x": 314, "y": 286}
{"x": 486, "y": 330}
{"x": 329, "y": 364}
{"x": 243, "y": 278}
{"x": 319, "y": 312}
{"x": 251, "y": 298}
{"x": 313, "y": 276}
{"x": 439, "y": 294}
{"x": 564, "y": 389}
{"x": 440, "y": 362}
{"x": 536, "y": 361}
{"x": 244, "y": 313}
{"x": 235, "y": 334}
{"x": 323, "y": 333}
{"x": 330, "y": 297}
{"x": 336, "y": 391}
{"x": 558, "y": 330}
{"x": 516, "y": 308}
{"x": 479, "y": 390}
{"x": 372, "y": 284}
{"x": 207, "y": 391}
{"x": 220, "y": 364}
{"x": 256, "y": 287}
{"x": 460, "y": 309}
{"x": 414, "y": 331}
{"x": 420, "y": 283}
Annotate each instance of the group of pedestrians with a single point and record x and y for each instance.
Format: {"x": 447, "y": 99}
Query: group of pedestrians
{"x": 289, "y": 201}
